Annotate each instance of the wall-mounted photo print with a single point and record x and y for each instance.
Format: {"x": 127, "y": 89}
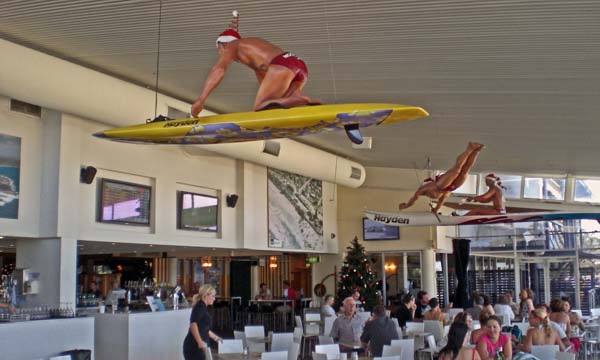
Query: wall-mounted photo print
{"x": 10, "y": 169}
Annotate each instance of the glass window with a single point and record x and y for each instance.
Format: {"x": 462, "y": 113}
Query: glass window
{"x": 587, "y": 190}
{"x": 544, "y": 188}
{"x": 469, "y": 187}
{"x": 511, "y": 182}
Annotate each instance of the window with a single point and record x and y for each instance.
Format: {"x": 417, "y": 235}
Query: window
{"x": 544, "y": 188}
{"x": 587, "y": 190}
{"x": 469, "y": 187}
{"x": 511, "y": 182}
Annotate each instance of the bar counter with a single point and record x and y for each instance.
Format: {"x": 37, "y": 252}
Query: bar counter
{"x": 41, "y": 339}
{"x": 143, "y": 335}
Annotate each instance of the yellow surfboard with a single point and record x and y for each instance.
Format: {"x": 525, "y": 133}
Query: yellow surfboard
{"x": 268, "y": 124}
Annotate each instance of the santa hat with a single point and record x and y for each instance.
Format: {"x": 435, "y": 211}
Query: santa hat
{"x": 232, "y": 33}
{"x": 496, "y": 180}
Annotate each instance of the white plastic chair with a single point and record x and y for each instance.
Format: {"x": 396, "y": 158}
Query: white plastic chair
{"x": 523, "y": 326}
{"x": 61, "y": 357}
{"x": 298, "y": 320}
{"x": 312, "y": 323}
{"x": 208, "y": 353}
{"x": 434, "y": 327}
{"x": 331, "y": 350}
{"x": 325, "y": 340}
{"x": 363, "y": 316}
{"x": 399, "y": 331}
{"x": 544, "y": 351}
{"x": 281, "y": 341}
{"x": 407, "y": 346}
{"x": 453, "y": 312}
{"x": 476, "y": 325}
{"x": 231, "y": 346}
{"x": 415, "y": 327}
{"x": 388, "y": 358}
{"x": 395, "y": 321}
{"x": 578, "y": 312}
{"x": 274, "y": 355}
{"x": 328, "y": 325}
{"x": 294, "y": 351}
{"x": 239, "y": 335}
{"x": 505, "y": 319}
{"x": 319, "y": 356}
{"x": 565, "y": 356}
{"x": 389, "y": 350}
{"x": 595, "y": 312}
{"x": 254, "y": 332}
{"x": 298, "y": 332}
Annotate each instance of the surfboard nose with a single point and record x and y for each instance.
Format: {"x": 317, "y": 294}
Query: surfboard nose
{"x": 100, "y": 134}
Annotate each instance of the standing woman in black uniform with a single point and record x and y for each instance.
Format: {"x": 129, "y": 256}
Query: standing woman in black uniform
{"x": 198, "y": 338}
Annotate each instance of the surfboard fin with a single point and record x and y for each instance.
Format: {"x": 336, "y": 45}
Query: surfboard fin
{"x": 353, "y": 132}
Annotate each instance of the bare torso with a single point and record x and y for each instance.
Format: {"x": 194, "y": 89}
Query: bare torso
{"x": 498, "y": 199}
{"x": 255, "y": 53}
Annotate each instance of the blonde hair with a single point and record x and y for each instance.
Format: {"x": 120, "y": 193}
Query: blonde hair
{"x": 542, "y": 315}
{"x": 204, "y": 291}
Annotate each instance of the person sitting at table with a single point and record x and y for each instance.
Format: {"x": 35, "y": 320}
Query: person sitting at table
{"x": 288, "y": 294}
{"x": 574, "y": 318}
{"x": 559, "y": 315}
{"x": 264, "y": 293}
{"x": 510, "y": 297}
{"x": 422, "y": 304}
{"x": 379, "y": 331}
{"x": 456, "y": 348}
{"x": 494, "y": 342}
{"x": 556, "y": 327}
{"x": 356, "y": 297}
{"x": 435, "y": 313}
{"x": 484, "y": 316}
{"x": 487, "y": 304}
{"x": 477, "y": 306}
{"x": 406, "y": 310}
{"x": 536, "y": 335}
{"x": 347, "y": 328}
{"x": 327, "y": 308}
{"x": 526, "y": 304}
{"x": 503, "y": 308}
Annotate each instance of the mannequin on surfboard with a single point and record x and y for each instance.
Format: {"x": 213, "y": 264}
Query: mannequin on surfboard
{"x": 442, "y": 185}
{"x": 495, "y": 195}
{"x": 281, "y": 75}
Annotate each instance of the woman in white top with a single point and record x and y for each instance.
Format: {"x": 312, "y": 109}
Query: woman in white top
{"x": 502, "y": 307}
{"x": 327, "y": 308}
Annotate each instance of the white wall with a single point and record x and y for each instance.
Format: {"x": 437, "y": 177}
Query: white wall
{"x": 29, "y": 129}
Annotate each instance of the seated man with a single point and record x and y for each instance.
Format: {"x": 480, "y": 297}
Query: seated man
{"x": 327, "y": 308}
{"x": 281, "y": 75}
{"x": 347, "y": 328}
{"x": 494, "y": 194}
{"x": 379, "y": 331}
{"x": 442, "y": 186}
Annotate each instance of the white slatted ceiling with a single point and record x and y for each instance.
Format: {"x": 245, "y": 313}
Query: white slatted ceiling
{"x": 520, "y": 75}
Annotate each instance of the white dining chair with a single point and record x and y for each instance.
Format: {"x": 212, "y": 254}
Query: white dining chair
{"x": 544, "y": 351}
{"x": 281, "y": 341}
{"x": 331, "y": 350}
{"x": 415, "y": 327}
{"x": 327, "y": 325}
{"x": 565, "y": 356}
{"x": 319, "y": 356}
{"x": 274, "y": 355}
{"x": 294, "y": 351}
{"x": 407, "y": 346}
{"x": 255, "y": 332}
{"x": 434, "y": 327}
{"x": 231, "y": 346}
{"x": 325, "y": 340}
{"x": 389, "y": 350}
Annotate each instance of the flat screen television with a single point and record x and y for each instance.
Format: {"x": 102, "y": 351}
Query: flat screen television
{"x": 376, "y": 231}
{"x": 124, "y": 203}
{"x": 197, "y": 212}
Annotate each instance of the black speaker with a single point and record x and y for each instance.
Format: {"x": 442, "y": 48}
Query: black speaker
{"x": 231, "y": 200}
{"x": 87, "y": 174}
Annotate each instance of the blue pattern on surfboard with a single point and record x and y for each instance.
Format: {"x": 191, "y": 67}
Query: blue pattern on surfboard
{"x": 216, "y": 133}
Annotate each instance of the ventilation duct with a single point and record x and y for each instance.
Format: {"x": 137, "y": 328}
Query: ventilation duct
{"x": 25, "y": 108}
{"x": 294, "y": 157}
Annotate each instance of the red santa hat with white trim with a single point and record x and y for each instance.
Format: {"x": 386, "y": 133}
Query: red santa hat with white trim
{"x": 232, "y": 33}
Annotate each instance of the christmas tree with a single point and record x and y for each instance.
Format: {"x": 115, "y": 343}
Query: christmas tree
{"x": 356, "y": 274}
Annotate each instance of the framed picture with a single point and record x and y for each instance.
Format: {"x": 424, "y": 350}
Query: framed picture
{"x": 376, "y": 231}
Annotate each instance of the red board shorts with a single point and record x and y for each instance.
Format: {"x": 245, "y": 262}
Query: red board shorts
{"x": 293, "y": 63}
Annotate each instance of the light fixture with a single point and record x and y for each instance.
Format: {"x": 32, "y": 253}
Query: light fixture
{"x": 273, "y": 262}
{"x": 390, "y": 266}
{"x": 206, "y": 262}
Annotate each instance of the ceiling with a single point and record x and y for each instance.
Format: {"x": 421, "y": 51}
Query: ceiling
{"x": 521, "y": 76}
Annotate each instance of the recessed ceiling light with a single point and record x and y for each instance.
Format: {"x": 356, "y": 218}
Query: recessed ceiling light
{"x": 114, "y": 243}
{"x": 151, "y": 245}
{"x": 1, "y": 237}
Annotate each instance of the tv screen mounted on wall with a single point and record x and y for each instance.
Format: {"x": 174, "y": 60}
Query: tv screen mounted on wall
{"x": 376, "y": 231}
{"x": 197, "y": 212}
{"x": 124, "y": 203}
